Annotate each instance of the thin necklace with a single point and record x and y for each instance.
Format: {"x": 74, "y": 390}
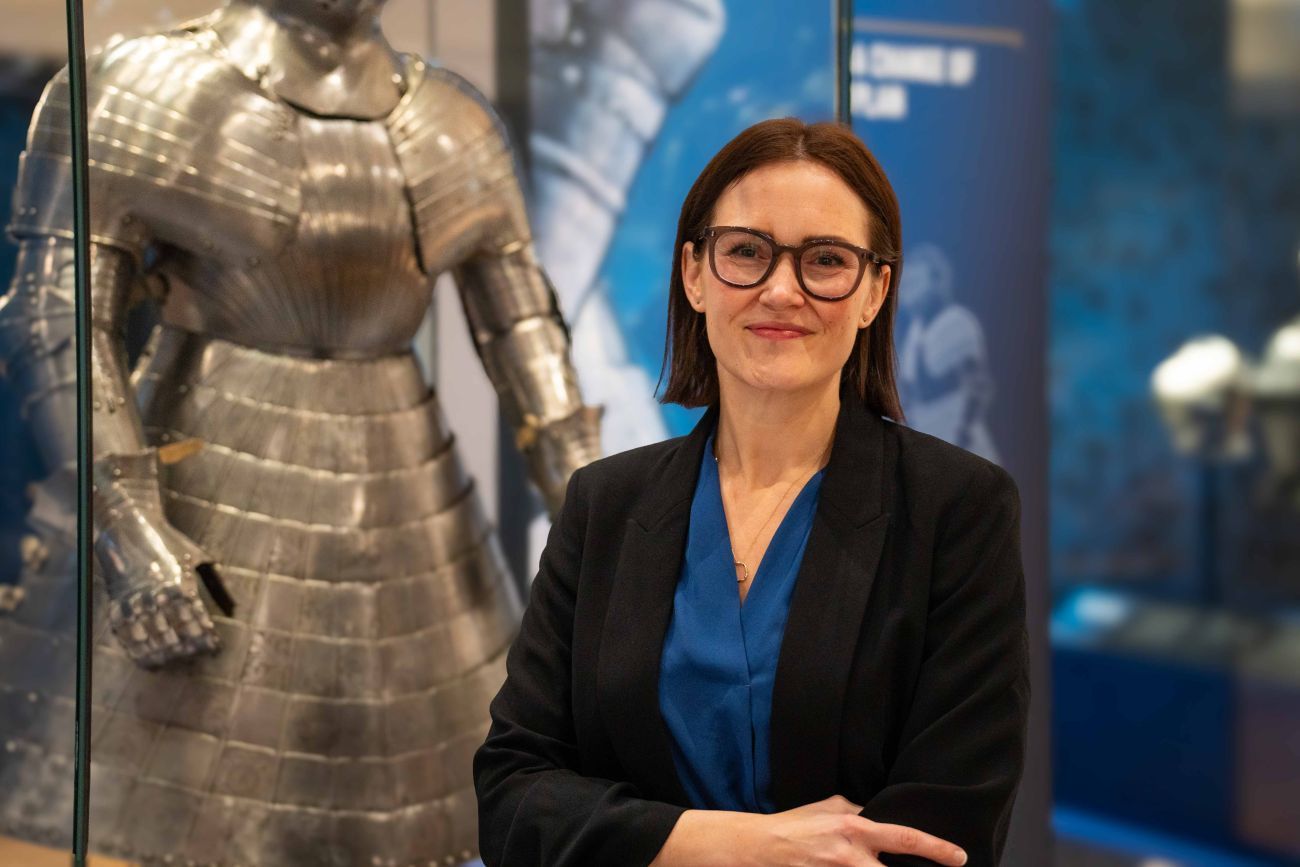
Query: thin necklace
{"x": 742, "y": 571}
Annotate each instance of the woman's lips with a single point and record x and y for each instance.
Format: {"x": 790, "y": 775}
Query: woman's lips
{"x": 776, "y": 331}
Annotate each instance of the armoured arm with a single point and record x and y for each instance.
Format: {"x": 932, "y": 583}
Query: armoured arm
{"x": 470, "y": 217}
{"x": 148, "y": 567}
{"x": 524, "y": 346}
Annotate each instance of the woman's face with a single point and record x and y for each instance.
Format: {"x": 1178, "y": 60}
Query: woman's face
{"x": 773, "y": 337}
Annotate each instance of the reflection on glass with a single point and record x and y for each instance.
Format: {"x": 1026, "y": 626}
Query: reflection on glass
{"x": 37, "y": 494}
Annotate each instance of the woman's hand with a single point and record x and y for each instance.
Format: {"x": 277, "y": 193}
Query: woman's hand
{"x": 827, "y": 833}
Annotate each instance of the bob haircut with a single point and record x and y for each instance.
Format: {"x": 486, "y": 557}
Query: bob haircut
{"x": 688, "y": 359}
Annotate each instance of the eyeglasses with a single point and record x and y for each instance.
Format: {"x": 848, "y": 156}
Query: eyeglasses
{"x": 828, "y": 270}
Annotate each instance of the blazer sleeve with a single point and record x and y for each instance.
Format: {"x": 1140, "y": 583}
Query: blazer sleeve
{"x": 535, "y": 807}
{"x": 961, "y": 749}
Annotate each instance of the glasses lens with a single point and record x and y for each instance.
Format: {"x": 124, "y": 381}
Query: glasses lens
{"x": 829, "y": 270}
{"x": 741, "y": 258}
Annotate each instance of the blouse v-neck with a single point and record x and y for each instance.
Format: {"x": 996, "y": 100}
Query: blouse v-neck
{"x": 719, "y": 655}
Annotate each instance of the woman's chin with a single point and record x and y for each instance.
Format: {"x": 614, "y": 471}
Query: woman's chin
{"x": 782, "y": 382}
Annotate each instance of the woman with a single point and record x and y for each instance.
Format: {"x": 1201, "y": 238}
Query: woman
{"x": 796, "y": 635}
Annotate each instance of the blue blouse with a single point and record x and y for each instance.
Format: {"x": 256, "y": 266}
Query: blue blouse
{"x": 719, "y": 656}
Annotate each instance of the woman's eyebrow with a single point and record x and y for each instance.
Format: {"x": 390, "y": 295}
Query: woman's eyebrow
{"x": 817, "y": 236}
{"x": 828, "y": 237}
{"x": 831, "y": 236}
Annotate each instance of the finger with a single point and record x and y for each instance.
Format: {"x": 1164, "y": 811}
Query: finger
{"x": 157, "y": 627}
{"x": 127, "y": 620}
{"x": 902, "y": 840}
{"x": 191, "y": 630}
{"x": 161, "y": 625}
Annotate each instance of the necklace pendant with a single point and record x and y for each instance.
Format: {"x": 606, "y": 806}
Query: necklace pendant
{"x": 742, "y": 573}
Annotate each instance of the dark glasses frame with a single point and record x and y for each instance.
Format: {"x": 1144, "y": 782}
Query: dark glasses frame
{"x": 863, "y": 255}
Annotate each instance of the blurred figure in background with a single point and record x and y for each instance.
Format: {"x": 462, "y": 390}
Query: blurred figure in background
{"x": 944, "y": 377}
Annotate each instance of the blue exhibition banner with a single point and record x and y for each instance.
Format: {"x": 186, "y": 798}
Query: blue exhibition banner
{"x": 953, "y": 98}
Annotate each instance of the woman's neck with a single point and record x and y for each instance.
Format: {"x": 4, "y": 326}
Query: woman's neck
{"x": 767, "y": 437}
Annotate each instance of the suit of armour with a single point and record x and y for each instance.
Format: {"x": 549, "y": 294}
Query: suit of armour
{"x": 277, "y": 429}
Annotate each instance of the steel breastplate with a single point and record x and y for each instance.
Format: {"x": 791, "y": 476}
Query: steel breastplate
{"x": 347, "y": 282}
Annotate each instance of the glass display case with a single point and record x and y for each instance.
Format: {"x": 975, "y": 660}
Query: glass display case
{"x": 37, "y": 506}
{"x": 1174, "y": 292}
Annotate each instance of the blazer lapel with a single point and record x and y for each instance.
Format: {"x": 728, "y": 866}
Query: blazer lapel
{"x": 826, "y": 611}
{"x": 640, "y": 608}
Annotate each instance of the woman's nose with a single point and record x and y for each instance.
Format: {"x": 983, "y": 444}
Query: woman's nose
{"x": 781, "y": 289}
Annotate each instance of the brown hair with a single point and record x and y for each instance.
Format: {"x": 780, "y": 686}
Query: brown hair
{"x": 869, "y": 370}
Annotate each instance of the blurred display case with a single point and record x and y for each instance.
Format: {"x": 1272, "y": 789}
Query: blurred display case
{"x": 1175, "y": 284}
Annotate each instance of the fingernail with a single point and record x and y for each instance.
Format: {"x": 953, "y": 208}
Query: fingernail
{"x": 960, "y": 856}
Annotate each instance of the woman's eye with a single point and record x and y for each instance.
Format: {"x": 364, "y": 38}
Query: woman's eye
{"x": 830, "y": 260}
{"x": 746, "y": 251}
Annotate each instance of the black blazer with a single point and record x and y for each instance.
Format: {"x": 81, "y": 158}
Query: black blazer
{"x": 902, "y": 682}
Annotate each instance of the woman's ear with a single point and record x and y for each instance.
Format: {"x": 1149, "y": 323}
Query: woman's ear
{"x": 692, "y": 272}
{"x": 880, "y": 285}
